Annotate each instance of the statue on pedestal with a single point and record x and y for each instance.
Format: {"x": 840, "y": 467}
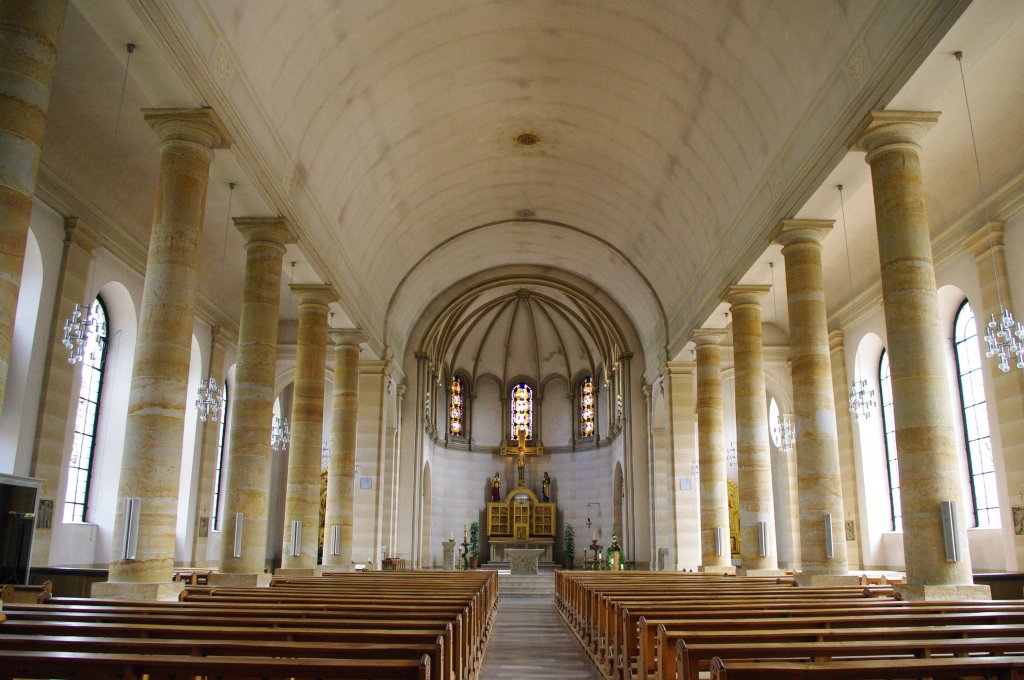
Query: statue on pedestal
{"x": 496, "y": 489}
{"x": 545, "y": 489}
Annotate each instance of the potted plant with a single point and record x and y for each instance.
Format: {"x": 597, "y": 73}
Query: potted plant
{"x": 474, "y": 545}
{"x": 568, "y": 546}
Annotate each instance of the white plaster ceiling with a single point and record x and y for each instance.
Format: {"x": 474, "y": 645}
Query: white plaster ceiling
{"x": 672, "y": 136}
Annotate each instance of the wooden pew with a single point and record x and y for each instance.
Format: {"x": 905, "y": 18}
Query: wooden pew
{"x": 11, "y": 593}
{"x": 948, "y": 667}
{"x": 36, "y": 664}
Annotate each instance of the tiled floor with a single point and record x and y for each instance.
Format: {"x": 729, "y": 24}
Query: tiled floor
{"x": 531, "y": 642}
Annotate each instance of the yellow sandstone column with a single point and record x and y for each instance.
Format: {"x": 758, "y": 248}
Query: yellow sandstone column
{"x": 757, "y": 512}
{"x": 252, "y": 408}
{"x": 29, "y": 38}
{"x": 143, "y": 557}
{"x": 714, "y": 501}
{"x": 847, "y": 459}
{"x": 928, "y": 458}
{"x": 58, "y": 399}
{"x": 820, "y": 490}
{"x": 208, "y": 457}
{"x": 302, "y": 498}
{"x": 342, "y": 464}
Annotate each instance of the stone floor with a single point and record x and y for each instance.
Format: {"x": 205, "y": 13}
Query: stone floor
{"x": 531, "y": 642}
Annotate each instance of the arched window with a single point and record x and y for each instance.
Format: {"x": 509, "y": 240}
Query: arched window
{"x": 587, "y": 407}
{"x": 456, "y": 409}
{"x": 889, "y": 429}
{"x": 773, "y": 423}
{"x": 218, "y": 476}
{"x": 522, "y": 410}
{"x": 76, "y": 498}
{"x": 975, "y": 416}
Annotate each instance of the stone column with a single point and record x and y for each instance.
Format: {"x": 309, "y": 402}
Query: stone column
{"x": 29, "y": 37}
{"x": 302, "y": 499}
{"x": 752, "y": 454}
{"x": 847, "y": 457}
{"x": 208, "y": 456}
{"x": 58, "y": 401}
{"x": 252, "y": 408}
{"x": 986, "y": 245}
{"x": 342, "y": 465}
{"x": 163, "y": 347}
{"x": 714, "y": 501}
{"x": 928, "y": 457}
{"x": 817, "y": 448}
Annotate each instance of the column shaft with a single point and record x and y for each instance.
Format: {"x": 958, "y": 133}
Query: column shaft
{"x": 29, "y": 37}
{"x": 928, "y": 458}
{"x": 163, "y": 346}
{"x": 60, "y": 378}
{"x": 252, "y": 410}
{"x": 342, "y": 465}
{"x": 302, "y": 499}
{"x": 208, "y": 457}
{"x": 847, "y": 457}
{"x": 714, "y": 501}
{"x": 817, "y": 448}
{"x": 753, "y": 458}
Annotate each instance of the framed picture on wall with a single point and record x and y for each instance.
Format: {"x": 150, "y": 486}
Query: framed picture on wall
{"x": 1018, "y": 520}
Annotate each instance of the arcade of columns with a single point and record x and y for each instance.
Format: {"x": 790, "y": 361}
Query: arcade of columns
{"x": 149, "y": 476}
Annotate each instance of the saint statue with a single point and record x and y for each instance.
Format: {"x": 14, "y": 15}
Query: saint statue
{"x": 496, "y": 489}
{"x": 545, "y": 489}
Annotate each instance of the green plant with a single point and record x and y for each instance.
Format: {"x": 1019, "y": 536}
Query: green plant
{"x": 474, "y": 538}
{"x": 569, "y": 541}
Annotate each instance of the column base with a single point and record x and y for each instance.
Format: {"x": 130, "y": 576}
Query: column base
{"x": 933, "y": 593}
{"x": 335, "y": 568}
{"x": 300, "y": 571}
{"x": 740, "y": 571}
{"x": 258, "y": 580}
{"x": 130, "y": 590}
{"x": 724, "y": 570}
{"x": 826, "y": 580}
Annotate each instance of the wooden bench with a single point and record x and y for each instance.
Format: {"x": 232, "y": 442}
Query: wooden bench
{"x": 36, "y": 664}
{"x": 14, "y": 593}
{"x": 988, "y": 666}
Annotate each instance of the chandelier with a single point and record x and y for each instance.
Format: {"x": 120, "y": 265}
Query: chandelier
{"x": 280, "y": 436}
{"x": 1004, "y": 336}
{"x": 84, "y": 332}
{"x": 784, "y": 433}
{"x": 210, "y": 402}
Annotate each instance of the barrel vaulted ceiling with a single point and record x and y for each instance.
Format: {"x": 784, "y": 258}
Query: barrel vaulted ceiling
{"x": 647, "y": 147}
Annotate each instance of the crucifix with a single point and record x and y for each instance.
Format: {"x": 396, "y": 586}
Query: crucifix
{"x": 522, "y": 451}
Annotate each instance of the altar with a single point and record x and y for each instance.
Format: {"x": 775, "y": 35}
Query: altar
{"x": 521, "y": 521}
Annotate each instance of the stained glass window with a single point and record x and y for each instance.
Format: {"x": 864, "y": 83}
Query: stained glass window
{"x": 889, "y": 430}
{"x": 456, "y": 409}
{"x": 76, "y": 497}
{"x": 522, "y": 410}
{"x": 587, "y": 407}
{"x": 975, "y": 418}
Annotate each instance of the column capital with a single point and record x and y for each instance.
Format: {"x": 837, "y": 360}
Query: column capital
{"x": 347, "y": 336}
{"x": 422, "y": 356}
{"x": 79, "y": 233}
{"x": 200, "y": 126}
{"x": 836, "y": 341}
{"x": 984, "y": 239}
{"x": 266, "y": 229}
{"x": 220, "y": 336}
{"x": 793, "y": 232}
{"x": 708, "y": 336}
{"x": 746, "y": 295}
{"x": 313, "y": 294}
{"x": 881, "y": 129}
{"x": 680, "y": 368}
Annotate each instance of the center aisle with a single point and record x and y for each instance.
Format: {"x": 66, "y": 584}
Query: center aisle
{"x": 530, "y": 640}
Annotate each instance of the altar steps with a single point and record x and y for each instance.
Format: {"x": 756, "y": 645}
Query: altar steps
{"x": 505, "y": 566}
{"x": 540, "y": 586}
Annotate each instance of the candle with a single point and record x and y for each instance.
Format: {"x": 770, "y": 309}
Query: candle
{"x": 594, "y": 537}
{"x": 465, "y": 534}
{"x": 451, "y": 536}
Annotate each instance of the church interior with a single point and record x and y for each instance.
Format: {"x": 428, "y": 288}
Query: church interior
{"x": 719, "y": 290}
